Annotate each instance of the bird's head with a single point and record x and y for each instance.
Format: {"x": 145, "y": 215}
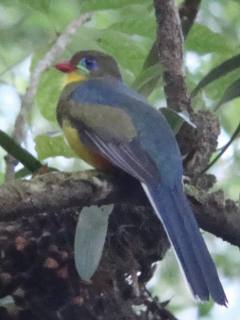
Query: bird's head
{"x": 86, "y": 65}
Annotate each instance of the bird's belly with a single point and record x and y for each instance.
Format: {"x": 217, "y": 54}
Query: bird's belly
{"x": 74, "y": 140}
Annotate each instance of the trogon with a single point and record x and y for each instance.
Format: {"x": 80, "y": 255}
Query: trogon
{"x": 106, "y": 122}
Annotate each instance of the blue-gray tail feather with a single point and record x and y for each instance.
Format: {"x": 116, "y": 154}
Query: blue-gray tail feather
{"x": 173, "y": 209}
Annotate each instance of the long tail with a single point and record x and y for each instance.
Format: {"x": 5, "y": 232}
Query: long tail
{"x": 173, "y": 209}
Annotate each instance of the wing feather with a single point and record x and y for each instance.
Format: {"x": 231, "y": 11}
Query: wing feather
{"x": 127, "y": 156}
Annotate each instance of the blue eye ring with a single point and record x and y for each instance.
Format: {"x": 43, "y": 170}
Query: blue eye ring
{"x": 88, "y": 63}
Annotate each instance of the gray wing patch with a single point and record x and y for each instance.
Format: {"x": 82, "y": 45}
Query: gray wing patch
{"x": 129, "y": 157}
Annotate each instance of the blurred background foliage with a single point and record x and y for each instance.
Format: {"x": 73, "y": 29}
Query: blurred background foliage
{"x": 126, "y": 29}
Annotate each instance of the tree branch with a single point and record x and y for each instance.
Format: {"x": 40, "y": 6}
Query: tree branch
{"x": 187, "y": 12}
{"x": 170, "y": 48}
{"x": 57, "y": 191}
{"x": 197, "y": 144}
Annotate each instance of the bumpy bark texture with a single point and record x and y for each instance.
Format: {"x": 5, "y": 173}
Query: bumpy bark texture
{"x": 37, "y": 268}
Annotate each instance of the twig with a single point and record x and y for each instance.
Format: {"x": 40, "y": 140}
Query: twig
{"x": 27, "y": 100}
{"x": 188, "y": 12}
{"x": 227, "y": 145}
{"x": 170, "y": 48}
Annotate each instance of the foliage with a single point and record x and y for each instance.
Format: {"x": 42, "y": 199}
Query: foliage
{"x": 125, "y": 29}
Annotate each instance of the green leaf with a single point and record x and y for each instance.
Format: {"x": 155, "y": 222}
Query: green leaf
{"x": 232, "y": 92}
{"x": 229, "y": 116}
{"x": 144, "y": 26}
{"x": 49, "y": 90}
{"x": 19, "y": 153}
{"x": 203, "y": 40}
{"x": 175, "y": 119}
{"x": 85, "y": 39}
{"x": 148, "y": 79}
{"x": 127, "y": 51}
{"x": 205, "y": 308}
{"x": 51, "y": 147}
{"x": 152, "y": 57}
{"x": 219, "y": 71}
{"x": 89, "y": 239}
{"x": 93, "y": 5}
{"x": 39, "y": 5}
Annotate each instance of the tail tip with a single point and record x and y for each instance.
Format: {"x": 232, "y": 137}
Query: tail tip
{"x": 224, "y": 302}
{"x": 219, "y": 299}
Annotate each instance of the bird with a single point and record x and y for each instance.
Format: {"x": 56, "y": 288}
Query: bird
{"x": 107, "y": 123}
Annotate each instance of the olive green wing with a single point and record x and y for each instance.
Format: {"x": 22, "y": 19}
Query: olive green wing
{"x": 110, "y": 132}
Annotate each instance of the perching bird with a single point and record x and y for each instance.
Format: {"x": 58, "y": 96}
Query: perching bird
{"x": 106, "y": 122}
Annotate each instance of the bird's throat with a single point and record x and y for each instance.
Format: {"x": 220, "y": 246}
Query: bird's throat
{"x": 73, "y": 77}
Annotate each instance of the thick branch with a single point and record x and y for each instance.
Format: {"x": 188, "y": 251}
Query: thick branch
{"x": 187, "y": 12}
{"x": 56, "y": 191}
{"x": 170, "y": 49}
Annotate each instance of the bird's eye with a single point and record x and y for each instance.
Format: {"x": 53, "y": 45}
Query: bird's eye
{"x": 88, "y": 63}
